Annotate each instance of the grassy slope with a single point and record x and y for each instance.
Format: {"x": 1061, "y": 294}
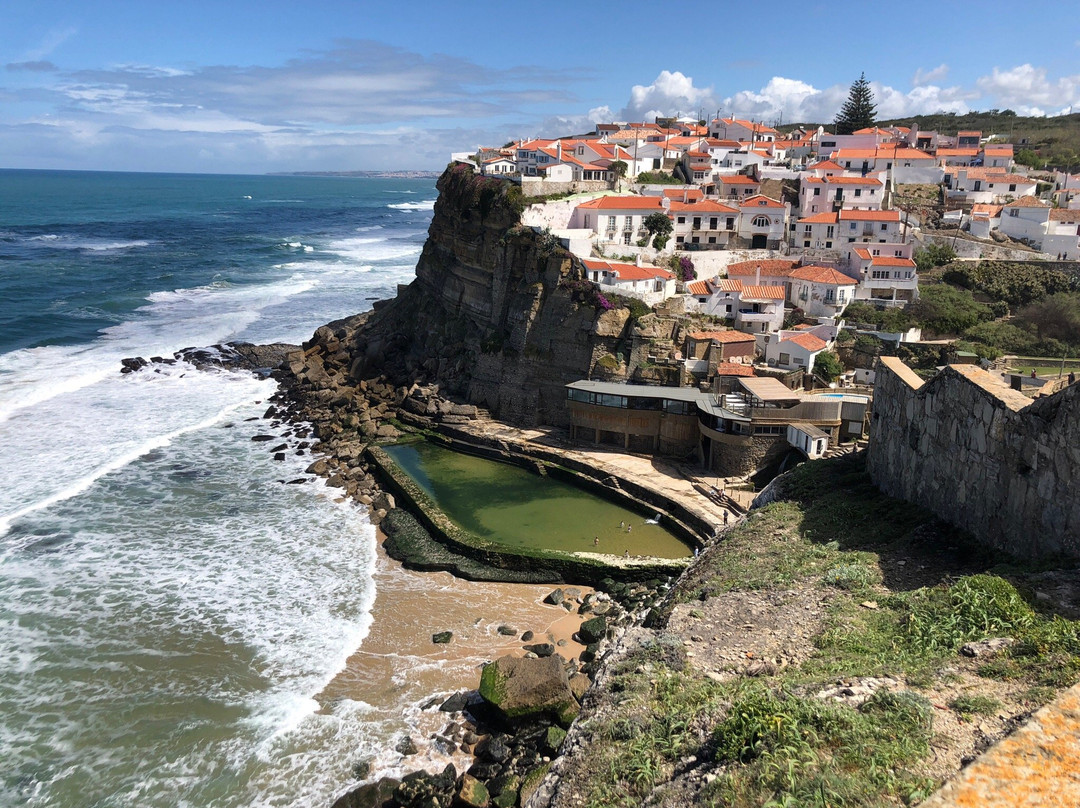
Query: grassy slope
{"x": 672, "y": 733}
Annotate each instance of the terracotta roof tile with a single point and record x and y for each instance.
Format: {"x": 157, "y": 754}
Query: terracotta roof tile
{"x": 823, "y": 275}
{"x": 770, "y": 267}
{"x": 807, "y": 341}
{"x": 623, "y": 203}
{"x": 629, "y": 272}
{"x": 733, "y": 369}
{"x": 721, "y": 336}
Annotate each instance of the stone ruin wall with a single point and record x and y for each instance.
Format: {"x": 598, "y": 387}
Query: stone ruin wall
{"x": 981, "y": 457}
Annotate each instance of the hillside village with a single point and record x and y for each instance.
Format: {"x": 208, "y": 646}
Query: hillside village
{"x": 780, "y": 267}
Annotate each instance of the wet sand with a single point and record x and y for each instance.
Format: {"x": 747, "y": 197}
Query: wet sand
{"x": 398, "y": 668}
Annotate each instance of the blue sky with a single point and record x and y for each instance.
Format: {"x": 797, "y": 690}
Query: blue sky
{"x": 250, "y": 87}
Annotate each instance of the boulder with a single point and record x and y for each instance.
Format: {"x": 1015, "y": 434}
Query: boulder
{"x": 405, "y": 746}
{"x": 442, "y": 637}
{"x": 541, "y": 649}
{"x": 455, "y": 704}
{"x": 522, "y": 689}
{"x": 986, "y": 648}
{"x": 556, "y": 597}
{"x": 369, "y": 795}
{"x": 593, "y": 630}
{"x": 553, "y": 739}
{"x": 471, "y": 793}
{"x": 579, "y": 685}
{"x": 507, "y": 631}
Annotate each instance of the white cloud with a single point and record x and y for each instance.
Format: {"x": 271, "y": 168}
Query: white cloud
{"x": 670, "y": 93}
{"x": 1028, "y": 91}
{"x": 933, "y": 76}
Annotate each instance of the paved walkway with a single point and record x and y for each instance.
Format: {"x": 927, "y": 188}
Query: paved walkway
{"x": 1038, "y": 765}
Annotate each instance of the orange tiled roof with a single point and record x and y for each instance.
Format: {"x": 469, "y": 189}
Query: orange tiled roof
{"x": 733, "y": 369}
{"x": 1026, "y": 202}
{"x": 834, "y": 180}
{"x": 628, "y": 272}
{"x": 820, "y": 218}
{"x": 1064, "y": 215}
{"x": 704, "y": 206}
{"x": 737, "y": 179}
{"x": 771, "y": 266}
{"x": 632, "y": 202}
{"x": 822, "y": 275}
{"x": 891, "y": 261}
{"x": 759, "y": 201}
{"x": 699, "y": 288}
{"x": 808, "y": 341}
{"x": 721, "y": 336}
{"x": 763, "y": 293}
{"x": 869, "y": 215}
{"x": 690, "y": 193}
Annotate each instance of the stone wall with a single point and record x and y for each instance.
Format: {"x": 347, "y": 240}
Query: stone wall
{"x": 537, "y": 186}
{"x": 981, "y": 456}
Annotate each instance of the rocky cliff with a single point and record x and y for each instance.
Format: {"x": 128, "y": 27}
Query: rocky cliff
{"x": 498, "y": 314}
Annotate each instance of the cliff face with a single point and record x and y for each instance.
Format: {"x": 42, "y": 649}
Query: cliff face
{"x": 490, "y": 316}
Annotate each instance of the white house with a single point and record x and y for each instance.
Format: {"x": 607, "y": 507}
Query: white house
{"x": 617, "y": 219}
{"x": 998, "y": 155}
{"x": 832, "y": 230}
{"x": 984, "y": 218}
{"x": 794, "y": 350}
{"x": 733, "y": 187}
{"x": 906, "y": 164}
{"x": 886, "y": 273}
{"x": 833, "y": 192}
{"x": 495, "y": 166}
{"x": 1052, "y": 230}
{"x": 753, "y": 309}
{"x": 651, "y": 284}
{"x": 821, "y": 291}
{"x": 762, "y": 222}
{"x": 704, "y": 222}
{"x": 987, "y": 185}
{"x": 741, "y": 130}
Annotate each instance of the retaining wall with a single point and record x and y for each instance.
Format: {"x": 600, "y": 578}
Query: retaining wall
{"x": 982, "y": 457}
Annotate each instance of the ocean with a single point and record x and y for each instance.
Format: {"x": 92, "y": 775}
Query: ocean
{"x": 169, "y": 606}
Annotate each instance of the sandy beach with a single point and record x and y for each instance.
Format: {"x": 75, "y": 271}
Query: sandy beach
{"x": 399, "y": 666}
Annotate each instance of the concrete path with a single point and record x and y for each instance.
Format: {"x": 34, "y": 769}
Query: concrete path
{"x": 1038, "y": 765}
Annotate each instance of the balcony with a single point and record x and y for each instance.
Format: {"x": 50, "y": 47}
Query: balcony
{"x": 751, "y": 316}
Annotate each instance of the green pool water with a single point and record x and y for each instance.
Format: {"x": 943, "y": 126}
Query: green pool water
{"x": 510, "y": 506}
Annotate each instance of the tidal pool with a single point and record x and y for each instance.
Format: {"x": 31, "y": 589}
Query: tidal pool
{"x": 510, "y": 506}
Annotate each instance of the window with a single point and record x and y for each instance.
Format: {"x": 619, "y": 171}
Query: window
{"x": 875, "y": 251}
{"x": 858, "y": 192}
{"x": 586, "y": 220}
{"x": 730, "y": 222}
{"x": 761, "y": 221}
{"x": 626, "y": 237}
{"x": 828, "y": 245}
{"x": 829, "y": 231}
{"x": 1014, "y": 212}
{"x": 884, "y": 226}
{"x": 610, "y": 222}
{"x": 808, "y": 228}
{"x": 676, "y": 407}
{"x": 785, "y": 359}
{"x": 1012, "y": 186}
{"x": 898, "y": 253}
{"x": 852, "y": 226}
{"x": 817, "y": 192}
{"x": 841, "y": 294}
{"x": 628, "y": 224}
{"x": 681, "y": 220}
{"x": 806, "y": 243}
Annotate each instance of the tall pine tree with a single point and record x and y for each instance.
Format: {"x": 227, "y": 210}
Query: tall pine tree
{"x": 859, "y": 110}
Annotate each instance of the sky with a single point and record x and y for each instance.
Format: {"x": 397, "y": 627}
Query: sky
{"x": 235, "y": 86}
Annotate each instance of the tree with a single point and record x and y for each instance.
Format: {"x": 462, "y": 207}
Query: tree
{"x": 828, "y": 366}
{"x": 659, "y": 228}
{"x": 933, "y": 255}
{"x": 858, "y": 112}
{"x": 619, "y": 169}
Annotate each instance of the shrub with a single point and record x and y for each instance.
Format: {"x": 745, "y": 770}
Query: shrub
{"x": 1016, "y": 284}
{"x": 850, "y": 576}
{"x": 828, "y": 366}
{"x": 944, "y": 309}
{"x": 933, "y": 255}
{"x": 974, "y": 705}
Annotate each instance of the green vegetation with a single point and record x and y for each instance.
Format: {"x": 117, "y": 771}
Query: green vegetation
{"x": 1017, "y": 284}
{"x": 945, "y": 310}
{"x": 658, "y": 178}
{"x": 659, "y": 228}
{"x": 828, "y": 366}
{"x": 903, "y": 593}
{"x": 891, "y": 320}
{"x": 933, "y": 255}
{"x": 859, "y": 109}
{"x": 968, "y": 705}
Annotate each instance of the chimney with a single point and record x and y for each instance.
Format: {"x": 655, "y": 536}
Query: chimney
{"x": 558, "y": 150}
{"x": 757, "y": 276}
{"x": 685, "y": 195}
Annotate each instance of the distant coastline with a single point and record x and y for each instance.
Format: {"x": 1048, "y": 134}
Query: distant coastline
{"x": 404, "y": 174}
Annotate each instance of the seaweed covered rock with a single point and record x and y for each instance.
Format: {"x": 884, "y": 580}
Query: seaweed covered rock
{"x": 524, "y": 689}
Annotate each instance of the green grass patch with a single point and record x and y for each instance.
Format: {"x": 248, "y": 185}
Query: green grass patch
{"x": 969, "y": 705}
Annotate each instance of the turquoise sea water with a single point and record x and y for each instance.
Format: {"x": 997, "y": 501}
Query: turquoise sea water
{"x": 169, "y": 607}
